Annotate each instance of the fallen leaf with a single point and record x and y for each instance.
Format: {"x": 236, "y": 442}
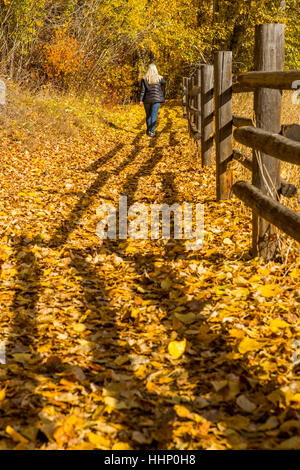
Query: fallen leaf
{"x": 245, "y": 404}
{"x": 182, "y": 411}
{"x": 177, "y": 348}
{"x": 269, "y": 290}
{"x": 121, "y": 446}
{"x": 16, "y": 436}
{"x": 277, "y": 325}
{"x": 99, "y": 441}
{"x": 248, "y": 344}
{"x": 186, "y": 318}
{"x": 293, "y": 443}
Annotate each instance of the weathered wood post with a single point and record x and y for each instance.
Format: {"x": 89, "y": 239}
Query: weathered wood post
{"x": 223, "y": 122}
{"x": 269, "y": 56}
{"x": 188, "y": 103}
{"x": 2, "y": 95}
{"x": 198, "y": 100}
{"x": 184, "y": 96}
{"x": 207, "y": 113}
{"x": 192, "y": 100}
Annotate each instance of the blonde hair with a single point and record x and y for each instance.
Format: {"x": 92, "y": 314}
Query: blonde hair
{"x": 152, "y": 75}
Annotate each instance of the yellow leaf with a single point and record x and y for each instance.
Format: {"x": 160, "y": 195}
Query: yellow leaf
{"x": 268, "y": 366}
{"x": 135, "y": 312}
{"x": 269, "y": 290}
{"x": 47, "y": 271}
{"x": 120, "y": 360}
{"x": 293, "y": 397}
{"x": 131, "y": 249}
{"x": 249, "y": 344}
{"x": 121, "y": 446}
{"x": 98, "y": 440}
{"x": 16, "y": 436}
{"x": 236, "y": 333}
{"x": 276, "y": 325}
{"x": 240, "y": 292}
{"x": 177, "y": 348}
{"x": 227, "y": 241}
{"x": 141, "y": 371}
{"x": 79, "y": 327}
{"x": 21, "y": 446}
{"x": 295, "y": 273}
{"x": 255, "y": 278}
{"x": 82, "y": 446}
{"x": 264, "y": 271}
{"x": 2, "y": 394}
{"x": 114, "y": 403}
{"x": 75, "y": 421}
{"x": 182, "y": 411}
{"x": 63, "y": 434}
{"x": 150, "y": 386}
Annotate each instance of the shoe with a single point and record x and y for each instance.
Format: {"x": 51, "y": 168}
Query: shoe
{"x": 152, "y": 134}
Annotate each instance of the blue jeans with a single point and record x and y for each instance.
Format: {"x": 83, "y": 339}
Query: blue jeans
{"x": 151, "y": 115}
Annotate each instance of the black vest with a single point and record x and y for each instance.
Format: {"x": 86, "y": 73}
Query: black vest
{"x": 152, "y": 93}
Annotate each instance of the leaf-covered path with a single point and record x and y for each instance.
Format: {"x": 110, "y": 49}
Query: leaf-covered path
{"x": 85, "y": 326}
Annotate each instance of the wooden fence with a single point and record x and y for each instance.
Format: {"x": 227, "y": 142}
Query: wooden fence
{"x": 207, "y": 98}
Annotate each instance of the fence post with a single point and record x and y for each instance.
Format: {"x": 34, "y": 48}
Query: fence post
{"x": 184, "y": 96}
{"x": 223, "y": 122}
{"x": 188, "y": 101}
{"x": 198, "y": 100}
{"x": 192, "y": 100}
{"x": 2, "y": 95}
{"x": 269, "y": 56}
{"x": 207, "y": 113}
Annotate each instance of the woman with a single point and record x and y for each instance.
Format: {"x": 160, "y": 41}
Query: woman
{"x": 151, "y": 96}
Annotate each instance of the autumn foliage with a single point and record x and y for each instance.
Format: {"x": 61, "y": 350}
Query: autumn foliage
{"x": 107, "y": 44}
{"x": 63, "y": 57}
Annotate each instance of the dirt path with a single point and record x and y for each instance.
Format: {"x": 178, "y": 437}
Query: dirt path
{"x": 86, "y": 326}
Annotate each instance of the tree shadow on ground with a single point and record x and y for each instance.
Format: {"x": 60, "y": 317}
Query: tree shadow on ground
{"x": 139, "y": 401}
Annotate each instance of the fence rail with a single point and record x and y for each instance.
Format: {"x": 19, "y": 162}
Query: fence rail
{"x": 207, "y": 98}
{"x": 275, "y": 145}
{"x": 277, "y": 214}
{"x": 240, "y": 121}
{"x": 280, "y": 80}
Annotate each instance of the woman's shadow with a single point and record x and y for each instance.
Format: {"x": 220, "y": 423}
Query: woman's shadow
{"x": 131, "y": 388}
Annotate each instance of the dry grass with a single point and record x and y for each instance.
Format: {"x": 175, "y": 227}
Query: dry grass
{"x": 243, "y": 106}
{"x": 34, "y": 117}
